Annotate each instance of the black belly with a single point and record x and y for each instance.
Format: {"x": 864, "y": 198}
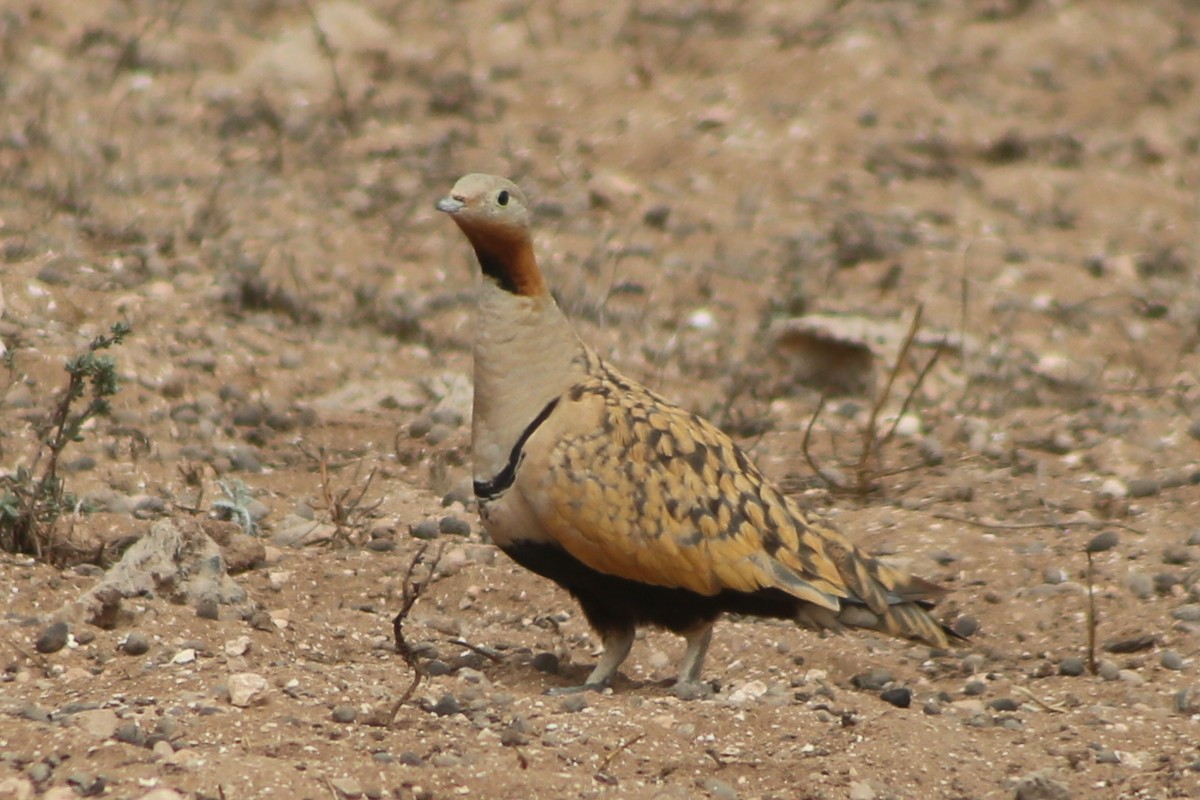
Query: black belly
{"x": 613, "y": 603}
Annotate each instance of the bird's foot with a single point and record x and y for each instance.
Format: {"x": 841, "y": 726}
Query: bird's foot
{"x": 692, "y": 690}
{"x": 559, "y": 691}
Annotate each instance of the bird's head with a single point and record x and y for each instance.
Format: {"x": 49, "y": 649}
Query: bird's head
{"x": 494, "y": 215}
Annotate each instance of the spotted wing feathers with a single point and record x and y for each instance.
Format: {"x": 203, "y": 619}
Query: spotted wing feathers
{"x": 635, "y": 486}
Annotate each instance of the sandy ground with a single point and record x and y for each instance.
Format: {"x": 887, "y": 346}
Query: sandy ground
{"x": 255, "y": 200}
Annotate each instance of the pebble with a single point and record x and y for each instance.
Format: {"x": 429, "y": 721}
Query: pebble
{"x": 1187, "y": 700}
{"x": 447, "y": 706}
{"x": 425, "y": 529}
{"x": 872, "y": 681}
{"x": 1177, "y": 554}
{"x": 130, "y": 733}
{"x": 1004, "y": 704}
{"x": 346, "y": 787}
{"x": 34, "y": 713}
{"x": 1193, "y": 539}
{"x": 244, "y": 459}
{"x": 1144, "y": 487}
{"x": 454, "y": 526}
{"x": 1171, "y": 660}
{"x": 1041, "y": 786}
{"x": 1108, "y": 670}
{"x": 1102, "y": 542}
{"x": 545, "y": 662}
{"x": 53, "y": 638}
{"x": 899, "y": 696}
{"x": 1134, "y": 644}
{"x": 208, "y": 608}
{"x": 38, "y": 772}
{"x": 1054, "y": 575}
{"x": 931, "y": 709}
{"x": 1165, "y": 583}
{"x": 383, "y": 757}
{"x": 344, "y": 713}
{"x": 974, "y": 688}
{"x": 1187, "y": 613}
{"x": 1140, "y": 584}
{"x": 436, "y": 668}
{"x": 136, "y": 643}
{"x": 1107, "y": 755}
{"x": 410, "y": 759}
{"x": 87, "y": 784}
{"x": 100, "y": 722}
{"x": 247, "y": 689}
{"x": 1131, "y": 677}
{"x": 718, "y": 789}
{"x": 574, "y": 703}
{"x": 1072, "y": 666}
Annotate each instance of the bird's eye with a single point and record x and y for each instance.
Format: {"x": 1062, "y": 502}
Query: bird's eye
{"x": 502, "y": 198}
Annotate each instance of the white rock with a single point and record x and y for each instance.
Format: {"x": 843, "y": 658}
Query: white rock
{"x": 185, "y": 656}
{"x": 237, "y": 647}
{"x": 247, "y": 689}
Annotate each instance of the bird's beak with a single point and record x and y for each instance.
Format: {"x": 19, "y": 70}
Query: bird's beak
{"x": 451, "y": 205}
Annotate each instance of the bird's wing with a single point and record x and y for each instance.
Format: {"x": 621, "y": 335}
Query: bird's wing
{"x": 635, "y": 486}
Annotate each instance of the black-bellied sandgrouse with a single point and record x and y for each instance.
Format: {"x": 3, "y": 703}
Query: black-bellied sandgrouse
{"x": 644, "y": 512}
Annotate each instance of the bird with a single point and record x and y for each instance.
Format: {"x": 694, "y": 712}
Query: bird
{"x": 646, "y": 513}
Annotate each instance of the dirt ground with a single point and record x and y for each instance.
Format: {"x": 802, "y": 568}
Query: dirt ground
{"x": 251, "y": 185}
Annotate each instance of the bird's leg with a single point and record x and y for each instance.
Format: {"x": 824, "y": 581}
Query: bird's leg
{"x": 698, "y": 640}
{"x": 618, "y": 642}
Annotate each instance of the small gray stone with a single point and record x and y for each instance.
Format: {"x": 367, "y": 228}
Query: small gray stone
{"x": 244, "y": 459}
{"x": 1193, "y": 539}
{"x": 425, "y": 529}
{"x": 1004, "y": 704}
{"x": 248, "y": 415}
{"x": 53, "y": 638}
{"x": 454, "y": 526}
{"x": 974, "y": 688}
{"x": 344, "y": 713}
{"x": 1041, "y": 786}
{"x": 383, "y": 757}
{"x": 208, "y": 608}
{"x": 966, "y": 626}
{"x": 447, "y": 706}
{"x": 168, "y": 727}
{"x": 1071, "y": 666}
{"x": 1054, "y": 575}
{"x": 873, "y": 680}
{"x": 1107, "y": 755}
{"x": 1108, "y": 670}
{"x": 1187, "y": 700}
{"x": 1165, "y": 583}
{"x": 34, "y": 713}
{"x": 1144, "y": 487}
{"x": 410, "y": 759}
{"x": 346, "y": 787}
{"x": 931, "y": 709}
{"x": 1140, "y": 584}
{"x": 718, "y": 789}
{"x": 38, "y": 772}
{"x": 1177, "y": 554}
{"x": 545, "y": 662}
{"x": 1171, "y": 660}
{"x": 136, "y": 644}
{"x": 1187, "y": 613}
{"x": 1102, "y": 542}
{"x": 1134, "y": 644}
{"x": 899, "y": 696}
{"x": 130, "y": 733}
{"x": 574, "y": 703}
{"x": 436, "y": 668}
